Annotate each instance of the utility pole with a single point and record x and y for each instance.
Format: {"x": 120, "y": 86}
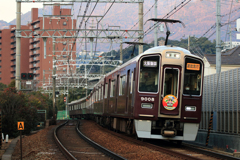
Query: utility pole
{"x": 121, "y": 58}
{"x": 188, "y": 42}
{"x": 140, "y": 17}
{"x": 230, "y": 36}
{"x": 54, "y": 81}
{"x": 218, "y": 38}
{"x": 155, "y": 29}
{"x": 18, "y": 47}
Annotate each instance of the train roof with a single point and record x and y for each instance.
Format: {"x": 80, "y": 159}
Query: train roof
{"x": 76, "y": 101}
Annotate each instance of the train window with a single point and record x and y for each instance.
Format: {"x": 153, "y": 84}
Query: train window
{"x": 102, "y": 93}
{"x": 171, "y": 76}
{"x": 106, "y": 90}
{"x": 192, "y": 76}
{"x": 131, "y": 88}
{"x": 96, "y": 95}
{"x": 149, "y": 74}
{"x": 99, "y": 93}
{"x": 122, "y": 85}
{"x": 112, "y": 88}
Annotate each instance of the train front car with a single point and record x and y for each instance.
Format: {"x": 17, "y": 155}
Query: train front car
{"x": 169, "y": 94}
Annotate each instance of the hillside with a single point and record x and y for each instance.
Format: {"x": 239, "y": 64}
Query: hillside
{"x": 198, "y": 16}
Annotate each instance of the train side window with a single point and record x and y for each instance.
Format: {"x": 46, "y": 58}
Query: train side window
{"x": 99, "y": 93}
{"x": 122, "y": 85}
{"x": 96, "y": 95}
{"x": 112, "y": 88}
{"x": 131, "y": 88}
{"x": 106, "y": 90}
{"x": 102, "y": 92}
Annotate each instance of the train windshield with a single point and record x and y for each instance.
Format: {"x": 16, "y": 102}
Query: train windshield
{"x": 192, "y": 77}
{"x": 149, "y": 74}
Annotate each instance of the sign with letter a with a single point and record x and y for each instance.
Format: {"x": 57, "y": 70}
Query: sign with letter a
{"x": 21, "y": 126}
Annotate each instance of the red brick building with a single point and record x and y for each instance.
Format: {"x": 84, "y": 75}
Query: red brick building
{"x": 33, "y": 59}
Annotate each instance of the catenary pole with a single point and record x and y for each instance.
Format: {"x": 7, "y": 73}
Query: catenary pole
{"x": 218, "y": 37}
{"x": 54, "y": 81}
{"x": 18, "y": 46}
{"x": 140, "y": 16}
{"x": 155, "y": 29}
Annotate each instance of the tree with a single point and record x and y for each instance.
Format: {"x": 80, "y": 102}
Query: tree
{"x": 12, "y": 83}
{"x": 2, "y": 86}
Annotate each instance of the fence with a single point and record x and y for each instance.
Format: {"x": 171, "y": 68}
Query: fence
{"x": 226, "y": 117}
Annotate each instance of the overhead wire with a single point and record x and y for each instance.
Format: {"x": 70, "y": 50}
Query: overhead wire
{"x": 228, "y": 20}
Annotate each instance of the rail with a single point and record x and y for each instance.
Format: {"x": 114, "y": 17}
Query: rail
{"x": 97, "y": 146}
{"x": 66, "y": 153}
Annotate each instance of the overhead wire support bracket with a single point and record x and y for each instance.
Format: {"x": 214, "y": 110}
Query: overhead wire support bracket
{"x": 166, "y": 21}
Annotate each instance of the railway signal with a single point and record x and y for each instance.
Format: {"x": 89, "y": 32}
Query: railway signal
{"x": 30, "y": 76}
{"x": 27, "y": 76}
{"x": 65, "y": 99}
{"x": 24, "y": 76}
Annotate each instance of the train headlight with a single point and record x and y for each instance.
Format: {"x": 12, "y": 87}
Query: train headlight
{"x": 190, "y": 108}
{"x": 147, "y": 105}
{"x": 173, "y": 55}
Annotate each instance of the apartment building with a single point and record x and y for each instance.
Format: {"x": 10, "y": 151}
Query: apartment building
{"x": 33, "y": 57}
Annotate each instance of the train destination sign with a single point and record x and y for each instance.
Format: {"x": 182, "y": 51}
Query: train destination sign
{"x": 149, "y": 63}
{"x": 193, "y": 66}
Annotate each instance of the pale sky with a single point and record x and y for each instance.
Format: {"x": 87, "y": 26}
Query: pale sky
{"x": 8, "y": 9}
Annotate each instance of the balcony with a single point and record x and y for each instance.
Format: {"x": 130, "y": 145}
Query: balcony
{"x": 13, "y": 69}
{"x": 13, "y": 40}
{"x": 13, "y": 52}
{"x": 36, "y": 26}
{"x": 13, "y": 63}
{"x": 12, "y": 34}
{"x": 13, "y": 76}
{"x": 13, "y": 58}
{"x": 34, "y": 40}
{"x": 35, "y": 59}
{"x": 13, "y": 46}
{"x": 37, "y": 72}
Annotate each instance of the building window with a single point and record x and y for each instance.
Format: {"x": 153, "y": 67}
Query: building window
{"x": 0, "y": 79}
{"x": 64, "y": 23}
{"x": 0, "y": 55}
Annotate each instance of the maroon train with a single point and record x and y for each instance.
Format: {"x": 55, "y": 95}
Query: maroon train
{"x": 157, "y": 94}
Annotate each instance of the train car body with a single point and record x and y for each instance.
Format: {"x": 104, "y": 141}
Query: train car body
{"x": 157, "y": 95}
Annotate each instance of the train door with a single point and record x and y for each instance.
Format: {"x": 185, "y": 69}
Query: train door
{"x": 170, "y": 95}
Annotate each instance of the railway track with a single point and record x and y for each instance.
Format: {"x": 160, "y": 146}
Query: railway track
{"x": 74, "y": 145}
{"x": 185, "y": 151}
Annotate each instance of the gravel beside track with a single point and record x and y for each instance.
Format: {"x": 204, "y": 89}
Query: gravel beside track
{"x": 39, "y": 146}
{"x": 125, "y": 148}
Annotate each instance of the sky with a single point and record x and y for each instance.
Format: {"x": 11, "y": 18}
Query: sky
{"x": 8, "y": 9}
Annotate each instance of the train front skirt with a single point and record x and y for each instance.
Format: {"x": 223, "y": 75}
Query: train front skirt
{"x": 143, "y": 129}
